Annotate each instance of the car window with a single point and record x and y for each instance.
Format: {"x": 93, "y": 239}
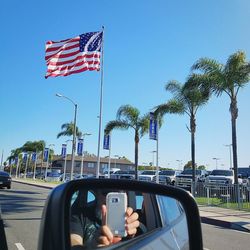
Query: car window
{"x": 170, "y": 209}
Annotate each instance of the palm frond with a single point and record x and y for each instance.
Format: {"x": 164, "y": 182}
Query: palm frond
{"x": 207, "y": 65}
{"x": 128, "y": 113}
{"x": 174, "y": 87}
{"x": 143, "y": 125}
{"x": 173, "y": 106}
{"x": 116, "y": 124}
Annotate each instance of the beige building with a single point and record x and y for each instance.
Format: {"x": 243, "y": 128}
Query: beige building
{"x": 90, "y": 164}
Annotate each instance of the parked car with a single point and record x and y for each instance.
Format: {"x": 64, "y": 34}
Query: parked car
{"x": 147, "y": 175}
{"x": 5, "y": 179}
{"x": 123, "y": 174}
{"x": 184, "y": 179}
{"x": 221, "y": 177}
{"x": 105, "y": 173}
{"x": 53, "y": 176}
{"x": 168, "y": 176}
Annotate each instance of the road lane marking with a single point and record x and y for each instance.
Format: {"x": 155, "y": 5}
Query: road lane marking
{"x": 19, "y": 246}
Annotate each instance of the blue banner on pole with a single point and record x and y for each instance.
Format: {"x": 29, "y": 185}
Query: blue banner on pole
{"x": 64, "y": 151}
{"x": 25, "y": 156}
{"x": 80, "y": 147}
{"x": 152, "y": 127}
{"x": 106, "y": 142}
{"x": 33, "y": 157}
{"x": 16, "y": 160}
{"x": 46, "y": 154}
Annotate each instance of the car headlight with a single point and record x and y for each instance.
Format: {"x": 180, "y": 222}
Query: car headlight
{"x": 229, "y": 181}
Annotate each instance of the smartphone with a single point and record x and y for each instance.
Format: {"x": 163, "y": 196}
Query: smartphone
{"x": 116, "y": 212}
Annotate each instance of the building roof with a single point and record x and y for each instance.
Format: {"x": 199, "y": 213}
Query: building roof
{"x": 94, "y": 159}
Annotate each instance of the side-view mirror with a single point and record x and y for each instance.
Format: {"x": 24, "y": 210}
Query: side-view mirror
{"x": 119, "y": 214}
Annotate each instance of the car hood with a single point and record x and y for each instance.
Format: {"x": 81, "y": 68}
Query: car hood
{"x": 219, "y": 177}
{"x": 184, "y": 175}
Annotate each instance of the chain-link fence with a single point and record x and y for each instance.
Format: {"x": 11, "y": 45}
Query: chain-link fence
{"x": 223, "y": 195}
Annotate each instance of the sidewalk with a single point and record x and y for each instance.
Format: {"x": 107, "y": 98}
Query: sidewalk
{"x": 229, "y": 218}
{"x": 35, "y": 183}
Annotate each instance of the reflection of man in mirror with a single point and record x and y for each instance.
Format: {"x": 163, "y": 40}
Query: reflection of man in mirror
{"x": 88, "y": 224}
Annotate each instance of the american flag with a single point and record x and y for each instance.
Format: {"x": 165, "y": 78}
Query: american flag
{"x": 74, "y": 55}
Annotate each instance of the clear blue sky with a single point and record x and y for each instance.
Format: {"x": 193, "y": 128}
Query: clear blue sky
{"x": 147, "y": 43}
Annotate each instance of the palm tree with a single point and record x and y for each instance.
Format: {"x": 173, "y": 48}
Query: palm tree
{"x": 129, "y": 117}
{"x": 229, "y": 78}
{"x": 33, "y": 146}
{"x": 187, "y": 100}
{"x": 68, "y": 130}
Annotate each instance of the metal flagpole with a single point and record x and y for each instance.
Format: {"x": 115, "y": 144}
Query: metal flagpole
{"x": 34, "y": 174}
{"x": 100, "y": 114}
{"x": 109, "y": 155}
{"x": 17, "y": 166}
{"x": 157, "y": 151}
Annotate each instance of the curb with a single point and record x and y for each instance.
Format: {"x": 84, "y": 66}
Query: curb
{"x": 225, "y": 224}
{"x": 33, "y": 184}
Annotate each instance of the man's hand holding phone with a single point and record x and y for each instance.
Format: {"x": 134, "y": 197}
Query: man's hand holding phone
{"x": 131, "y": 224}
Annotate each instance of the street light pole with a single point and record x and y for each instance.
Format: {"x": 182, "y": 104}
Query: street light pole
{"x": 48, "y": 160}
{"x": 116, "y": 159}
{"x": 74, "y": 135}
{"x": 153, "y": 158}
{"x": 229, "y": 146}
{"x": 216, "y": 162}
{"x": 81, "y": 169}
{"x": 65, "y": 161}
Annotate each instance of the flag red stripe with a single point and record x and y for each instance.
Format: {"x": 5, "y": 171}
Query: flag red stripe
{"x": 59, "y": 63}
{"x": 63, "y": 55}
{"x": 71, "y": 72}
{"x": 60, "y": 48}
{"x": 73, "y": 66}
{"x": 63, "y": 41}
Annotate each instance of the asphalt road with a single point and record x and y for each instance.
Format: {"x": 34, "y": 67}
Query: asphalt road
{"x": 22, "y": 210}
{"x": 22, "y": 207}
{"x": 217, "y": 238}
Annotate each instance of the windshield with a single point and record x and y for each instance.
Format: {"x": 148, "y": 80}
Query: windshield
{"x": 148, "y": 172}
{"x": 190, "y": 171}
{"x": 167, "y": 172}
{"x": 222, "y": 172}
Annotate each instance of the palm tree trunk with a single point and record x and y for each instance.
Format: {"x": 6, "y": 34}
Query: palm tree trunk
{"x": 193, "y": 155}
{"x": 234, "y": 115}
{"x": 136, "y": 154}
{"x": 234, "y": 145}
{"x": 193, "y": 128}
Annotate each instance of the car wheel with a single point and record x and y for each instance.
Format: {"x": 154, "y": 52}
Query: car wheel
{"x": 8, "y": 187}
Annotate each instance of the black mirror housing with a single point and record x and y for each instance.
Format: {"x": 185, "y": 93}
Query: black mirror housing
{"x": 54, "y": 229}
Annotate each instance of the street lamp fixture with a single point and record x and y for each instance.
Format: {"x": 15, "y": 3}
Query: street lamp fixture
{"x": 74, "y": 134}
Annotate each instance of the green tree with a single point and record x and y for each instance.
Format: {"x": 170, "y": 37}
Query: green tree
{"x": 35, "y": 146}
{"x": 202, "y": 167}
{"x": 186, "y": 100}
{"x": 68, "y": 130}
{"x": 129, "y": 117}
{"x": 229, "y": 78}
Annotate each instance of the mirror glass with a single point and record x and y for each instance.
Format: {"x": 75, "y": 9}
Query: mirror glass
{"x": 104, "y": 217}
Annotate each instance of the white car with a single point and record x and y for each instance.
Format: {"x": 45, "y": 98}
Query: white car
{"x": 147, "y": 175}
{"x": 221, "y": 177}
{"x": 168, "y": 176}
